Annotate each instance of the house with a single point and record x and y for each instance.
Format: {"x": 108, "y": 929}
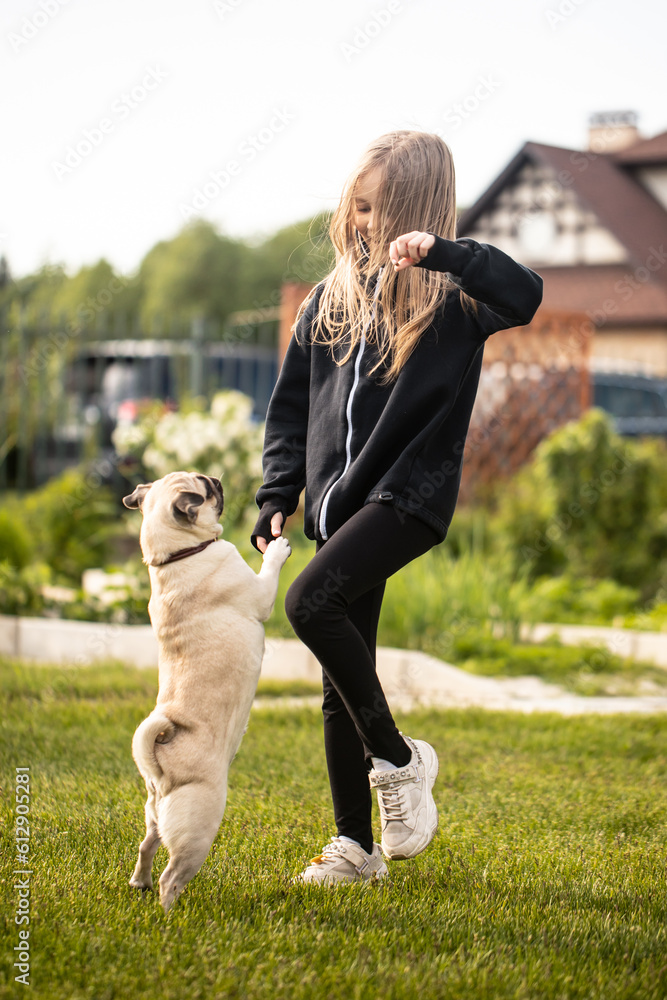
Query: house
{"x": 593, "y": 223}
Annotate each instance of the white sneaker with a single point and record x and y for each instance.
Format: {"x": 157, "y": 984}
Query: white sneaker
{"x": 407, "y": 809}
{"x": 341, "y": 861}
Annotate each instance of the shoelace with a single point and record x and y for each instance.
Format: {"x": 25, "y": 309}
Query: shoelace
{"x": 392, "y": 803}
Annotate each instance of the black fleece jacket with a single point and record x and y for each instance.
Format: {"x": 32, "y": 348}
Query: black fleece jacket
{"x": 350, "y": 440}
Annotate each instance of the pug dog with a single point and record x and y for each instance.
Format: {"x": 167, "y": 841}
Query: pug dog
{"x": 206, "y": 607}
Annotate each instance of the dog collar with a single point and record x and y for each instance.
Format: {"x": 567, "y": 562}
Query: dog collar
{"x": 182, "y": 553}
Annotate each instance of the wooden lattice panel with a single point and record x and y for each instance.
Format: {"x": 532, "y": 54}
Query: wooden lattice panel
{"x": 534, "y": 379}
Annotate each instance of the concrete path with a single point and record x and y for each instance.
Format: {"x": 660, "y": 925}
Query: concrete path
{"x": 409, "y": 678}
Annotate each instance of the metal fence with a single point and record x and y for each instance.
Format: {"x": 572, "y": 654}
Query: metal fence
{"x": 63, "y": 388}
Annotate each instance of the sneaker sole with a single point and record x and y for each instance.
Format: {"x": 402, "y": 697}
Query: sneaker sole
{"x": 329, "y": 879}
{"x": 430, "y": 759}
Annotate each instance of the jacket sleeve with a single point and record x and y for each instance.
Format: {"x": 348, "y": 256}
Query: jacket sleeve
{"x": 510, "y": 292}
{"x": 284, "y": 455}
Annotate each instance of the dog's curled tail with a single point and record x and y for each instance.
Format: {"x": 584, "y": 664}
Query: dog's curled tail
{"x": 157, "y": 728}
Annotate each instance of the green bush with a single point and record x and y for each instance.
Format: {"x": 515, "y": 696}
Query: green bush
{"x": 588, "y": 669}
{"x": 577, "y": 599}
{"x": 73, "y": 520}
{"x": 652, "y": 617}
{"x": 15, "y": 543}
{"x": 481, "y": 653}
{"x": 21, "y": 589}
{"x": 68, "y": 526}
{"x": 591, "y": 504}
{"x": 436, "y": 598}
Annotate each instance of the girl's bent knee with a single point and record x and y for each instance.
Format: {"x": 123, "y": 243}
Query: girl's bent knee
{"x": 308, "y": 607}
{"x": 297, "y": 608}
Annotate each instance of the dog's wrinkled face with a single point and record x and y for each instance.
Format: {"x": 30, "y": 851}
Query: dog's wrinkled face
{"x": 186, "y": 498}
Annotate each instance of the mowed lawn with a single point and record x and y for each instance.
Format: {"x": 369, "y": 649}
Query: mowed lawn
{"x": 547, "y": 878}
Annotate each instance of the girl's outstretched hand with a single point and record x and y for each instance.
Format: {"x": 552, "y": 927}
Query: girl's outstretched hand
{"x": 410, "y": 249}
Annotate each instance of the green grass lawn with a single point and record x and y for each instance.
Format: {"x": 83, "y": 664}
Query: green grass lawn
{"x": 546, "y": 879}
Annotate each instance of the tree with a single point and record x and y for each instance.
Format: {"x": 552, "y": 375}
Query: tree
{"x": 299, "y": 252}
{"x": 97, "y": 297}
{"x": 5, "y": 276}
{"x": 194, "y": 274}
{"x": 32, "y": 297}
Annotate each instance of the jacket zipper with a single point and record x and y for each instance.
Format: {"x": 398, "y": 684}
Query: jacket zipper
{"x": 348, "y": 414}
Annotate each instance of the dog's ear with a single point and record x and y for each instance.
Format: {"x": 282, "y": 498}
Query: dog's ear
{"x": 136, "y": 499}
{"x": 217, "y": 485}
{"x": 212, "y": 484}
{"x": 186, "y": 506}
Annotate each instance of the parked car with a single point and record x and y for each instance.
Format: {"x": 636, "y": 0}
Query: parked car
{"x": 637, "y": 403}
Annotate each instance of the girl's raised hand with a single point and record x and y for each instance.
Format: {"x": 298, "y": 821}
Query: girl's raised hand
{"x": 410, "y": 249}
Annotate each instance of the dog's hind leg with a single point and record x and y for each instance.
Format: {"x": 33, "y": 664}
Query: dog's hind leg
{"x": 190, "y": 817}
{"x": 142, "y": 878}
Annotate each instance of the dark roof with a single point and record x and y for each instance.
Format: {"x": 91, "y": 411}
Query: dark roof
{"x": 611, "y": 294}
{"x": 601, "y": 184}
{"x": 645, "y": 152}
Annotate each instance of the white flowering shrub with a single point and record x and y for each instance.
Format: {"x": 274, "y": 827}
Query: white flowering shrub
{"x": 223, "y": 441}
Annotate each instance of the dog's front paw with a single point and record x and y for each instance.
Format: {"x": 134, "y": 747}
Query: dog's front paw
{"x": 141, "y": 882}
{"x": 278, "y": 551}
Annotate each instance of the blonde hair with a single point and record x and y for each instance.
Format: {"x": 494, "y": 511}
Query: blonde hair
{"x": 416, "y": 192}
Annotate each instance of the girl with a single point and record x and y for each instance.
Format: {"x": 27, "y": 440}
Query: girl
{"x": 370, "y": 414}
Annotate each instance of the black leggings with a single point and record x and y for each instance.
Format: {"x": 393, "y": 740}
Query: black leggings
{"x": 334, "y": 608}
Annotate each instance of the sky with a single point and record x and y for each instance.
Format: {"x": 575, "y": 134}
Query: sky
{"x": 124, "y": 119}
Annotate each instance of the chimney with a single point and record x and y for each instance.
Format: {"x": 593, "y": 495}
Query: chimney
{"x": 609, "y": 131}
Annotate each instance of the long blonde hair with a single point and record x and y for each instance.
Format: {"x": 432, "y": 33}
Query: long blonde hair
{"x": 416, "y": 192}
